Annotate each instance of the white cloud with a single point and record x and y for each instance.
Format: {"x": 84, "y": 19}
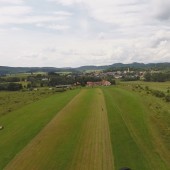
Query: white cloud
{"x": 83, "y": 32}
{"x": 67, "y": 2}
{"x": 109, "y": 11}
{"x": 161, "y": 9}
{"x": 20, "y": 14}
{"x": 54, "y": 26}
{"x": 62, "y": 13}
{"x": 15, "y": 10}
{"x": 11, "y": 2}
{"x": 29, "y": 19}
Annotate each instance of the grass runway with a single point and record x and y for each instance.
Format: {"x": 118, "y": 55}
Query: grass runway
{"x": 96, "y": 129}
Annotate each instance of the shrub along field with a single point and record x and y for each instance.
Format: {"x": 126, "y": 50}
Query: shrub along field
{"x": 94, "y": 128}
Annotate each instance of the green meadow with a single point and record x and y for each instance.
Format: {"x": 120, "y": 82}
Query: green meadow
{"x": 103, "y": 128}
{"x": 136, "y": 142}
{"x": 23, "y": 124}
{"x": 10, "y": 101}
{"x": 162, "y": 86}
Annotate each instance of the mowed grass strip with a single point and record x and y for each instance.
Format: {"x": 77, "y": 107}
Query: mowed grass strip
{"x": 53, "y": 147}
{"x": 131, "y": 137}
{"x": 94, "y": 150}
{"x": 77, "y": 138}
{"x": 22, "y": 125}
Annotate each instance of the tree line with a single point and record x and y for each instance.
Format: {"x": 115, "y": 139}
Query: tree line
{"x": 157, "y": 77}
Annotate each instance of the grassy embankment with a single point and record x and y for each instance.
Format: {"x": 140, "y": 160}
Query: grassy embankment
{"x": 21, "y": 125}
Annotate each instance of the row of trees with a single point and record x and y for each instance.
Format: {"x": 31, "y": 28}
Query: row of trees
{"x": 53, "y": 79}
{"x": 157, "y": 77}
{"x": 10, "y": 86}
{"x": 10, "y": 79}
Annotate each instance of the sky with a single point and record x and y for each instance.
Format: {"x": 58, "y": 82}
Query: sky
{"x": 72, "y": 33}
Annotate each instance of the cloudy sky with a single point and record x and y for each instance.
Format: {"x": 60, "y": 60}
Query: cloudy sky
{"x": 71, "y": 33}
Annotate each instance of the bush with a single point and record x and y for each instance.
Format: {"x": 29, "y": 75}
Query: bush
{"x": 146, "y": 88}
{"x": 14, "y": 86}
{"x": 158, "y": 93}
{"x": 167, "y": 98}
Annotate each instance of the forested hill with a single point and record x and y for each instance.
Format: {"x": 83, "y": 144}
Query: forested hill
{"x": 140, "y": 66}
{"x": 120, "y": 66}
{"x": 14, "y": 70}
{"x": 8, "y": 70}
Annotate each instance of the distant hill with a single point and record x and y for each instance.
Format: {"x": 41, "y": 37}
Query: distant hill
{"x": 131, "y": 65}
{"x": 139, "y": 66}
{"x": 85, "y": 68}
{"x": 115, "y": 66}
{"x": 14, "y": 70}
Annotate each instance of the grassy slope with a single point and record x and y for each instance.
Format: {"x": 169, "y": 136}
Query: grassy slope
{"x": 77, "y": 138}
{"x": 23, "y": 124}
{"x": 131, "y": 136}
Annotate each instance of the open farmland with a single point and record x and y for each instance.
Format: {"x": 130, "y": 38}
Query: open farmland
{"x": 134, "y": 133}
{"x": 77, "y": 138}
{"x": 21, "y": 125}
{"x": 100, "y": 128}
{"x": 162, "y": 86}
{"x": 10, "y": 101}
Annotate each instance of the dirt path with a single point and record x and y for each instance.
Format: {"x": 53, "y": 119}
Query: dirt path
{"x": 78, "y": 138}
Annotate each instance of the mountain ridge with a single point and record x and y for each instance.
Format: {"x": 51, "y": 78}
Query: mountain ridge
{"x": 8, "y": 69}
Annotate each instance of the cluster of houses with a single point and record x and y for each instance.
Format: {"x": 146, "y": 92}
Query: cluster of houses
{"x": 120, "y": 74}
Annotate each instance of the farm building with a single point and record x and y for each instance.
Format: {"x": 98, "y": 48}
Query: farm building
{"x": 100, "y": 83}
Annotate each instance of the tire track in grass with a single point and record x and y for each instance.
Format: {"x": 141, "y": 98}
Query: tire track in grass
{"x": 94, "y": 150}
{"x": 78, "y": 138}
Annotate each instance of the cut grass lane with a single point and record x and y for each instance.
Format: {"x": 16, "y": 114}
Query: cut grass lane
{"x": 94, "y": 150}
{"x": 77, "y": 138}
{"x": 131, "y": 137}
{"x": 22, "y": 125}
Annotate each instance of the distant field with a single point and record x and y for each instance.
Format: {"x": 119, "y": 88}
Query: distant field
{"x": 162, "y": 86}
{"x": 22, "y": 75}
{"x": 103, "y": 128}
{"x": 10, "y": 101}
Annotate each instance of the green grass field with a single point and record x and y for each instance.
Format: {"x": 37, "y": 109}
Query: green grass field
{"x": 162, "y": 86}
{"x": 10, "y": 101}
{"x": 77, "y": 138}
{"x": 21, "y": 125}
{"x": 133, "y": 133}
{"x": 94, "y": 128}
